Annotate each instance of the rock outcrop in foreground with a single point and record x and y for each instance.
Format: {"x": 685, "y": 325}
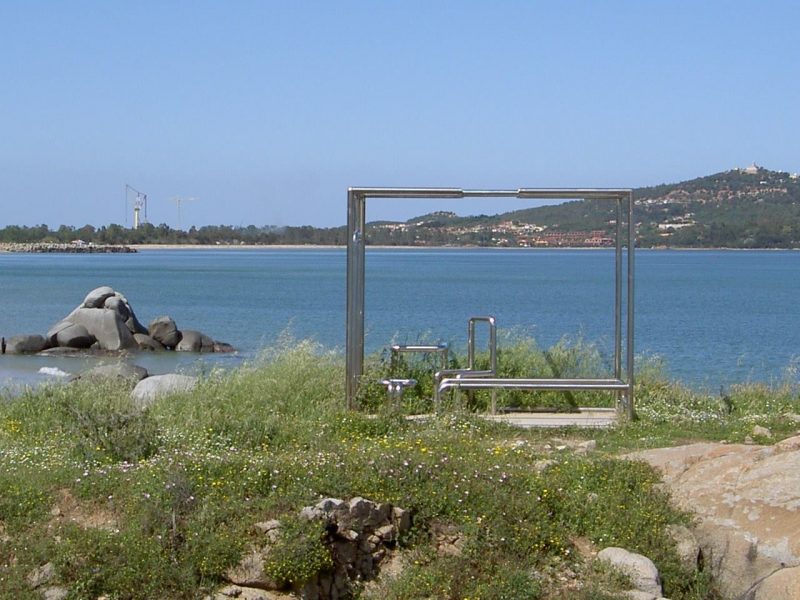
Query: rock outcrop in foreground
{"x": 747, "y": 500}
{"x": 361, "y": 536}
{"x": 105, "y": 322}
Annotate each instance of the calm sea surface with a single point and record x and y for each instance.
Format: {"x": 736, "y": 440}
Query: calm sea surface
{"x": 715, "y": 317}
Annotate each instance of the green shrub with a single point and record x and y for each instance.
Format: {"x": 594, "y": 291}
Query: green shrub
{"x": 105, "y": 423}
{"x": 299, "y": 554}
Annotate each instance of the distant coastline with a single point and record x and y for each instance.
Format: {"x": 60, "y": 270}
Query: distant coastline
{"x": 47, "y": 248}
{"x": 146, "y": 247}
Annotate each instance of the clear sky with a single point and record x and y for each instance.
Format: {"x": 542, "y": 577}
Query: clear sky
{"x": 267, "y": 111}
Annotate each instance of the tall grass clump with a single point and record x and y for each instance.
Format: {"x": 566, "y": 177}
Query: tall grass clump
{"x": 297, "y": 384}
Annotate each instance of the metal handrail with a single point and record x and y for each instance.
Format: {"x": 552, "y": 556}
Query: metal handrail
{"x": 440, "y": 349}
{"x": 471, "y": 371}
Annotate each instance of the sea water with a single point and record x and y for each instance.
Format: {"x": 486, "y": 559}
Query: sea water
{"x": 714, "y": 317}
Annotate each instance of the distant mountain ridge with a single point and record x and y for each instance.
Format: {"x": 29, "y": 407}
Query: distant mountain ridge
{"x": 751, "y": 207}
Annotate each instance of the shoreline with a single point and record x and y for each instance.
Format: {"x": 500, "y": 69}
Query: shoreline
{"x": 146, "y": 247}
{"x": 7, "y": 248}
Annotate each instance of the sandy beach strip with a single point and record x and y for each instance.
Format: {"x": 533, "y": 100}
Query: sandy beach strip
{"x": 145, "y": 247}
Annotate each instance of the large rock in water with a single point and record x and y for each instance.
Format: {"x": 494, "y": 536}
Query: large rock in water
{"x": 194, "y": 341}
{"x": 747, "y": 499}
{"x": 25, "y": 344}
{"x": 164, "y": 330}
{"x": 106, "y": 326}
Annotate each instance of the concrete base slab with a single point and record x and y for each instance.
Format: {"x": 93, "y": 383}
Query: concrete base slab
{"x": 585, "y": 417}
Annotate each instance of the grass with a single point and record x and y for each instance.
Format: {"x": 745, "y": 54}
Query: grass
{"x": 158, "y": 503}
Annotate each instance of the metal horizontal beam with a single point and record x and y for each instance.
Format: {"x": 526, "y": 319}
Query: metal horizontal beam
{"x": 528, "y": 193}
{"x": 533, "y": 384}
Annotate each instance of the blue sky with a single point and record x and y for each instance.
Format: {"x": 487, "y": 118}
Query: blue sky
{"x": 267, "y": 111}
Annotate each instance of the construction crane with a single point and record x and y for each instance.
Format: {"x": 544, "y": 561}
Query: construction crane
{"x": 139, "y": 204}
{"x": 178, "y": 200}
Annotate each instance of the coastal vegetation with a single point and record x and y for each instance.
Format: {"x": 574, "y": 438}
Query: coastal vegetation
{"x": 133, "y": 503}
{"x": 741, "y": 208}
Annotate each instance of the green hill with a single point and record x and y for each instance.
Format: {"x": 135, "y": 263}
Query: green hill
{"x": 740, "y": 208}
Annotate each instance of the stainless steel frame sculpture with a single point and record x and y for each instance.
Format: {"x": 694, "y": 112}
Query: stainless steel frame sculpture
{"x": 356, "y": 254}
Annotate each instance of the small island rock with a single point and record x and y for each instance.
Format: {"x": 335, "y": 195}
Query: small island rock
{"x": 105, "y": 324}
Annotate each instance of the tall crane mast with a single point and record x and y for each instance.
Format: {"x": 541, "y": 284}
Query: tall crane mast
{"x": 178, "y": 201}
{"x": 139, "y": 204}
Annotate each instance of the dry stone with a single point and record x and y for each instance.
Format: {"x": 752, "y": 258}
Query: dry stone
{"x": 782, "y": 585}
{"x": 761, "y": 431}
{"x": 686, "y": 545}
{"x": 643, "y": 573}
{"x": 747, "y": 499}
{"x": 245, "y": 593}
{"x": 360, "y": 534}
{"x": 250, "y": 573}
{"x": 42, "y": 575}
{"x": 156, "y": 386}
{"x": 638, "y": 595}
{"x": 55, "y": 593}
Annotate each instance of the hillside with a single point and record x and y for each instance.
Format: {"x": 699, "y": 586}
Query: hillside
{"x": 740, "y": 208}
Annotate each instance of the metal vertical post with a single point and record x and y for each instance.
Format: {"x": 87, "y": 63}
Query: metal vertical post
{"x": 618, "y": 299}
{"x": 631, "y": 246}
{"x": 618, "y": 294}
{"x": 354, "y": 342}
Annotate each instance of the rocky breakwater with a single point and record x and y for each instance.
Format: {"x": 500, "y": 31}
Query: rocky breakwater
{"x": 72, "y": 248}
{"x": 106, "y": 323}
